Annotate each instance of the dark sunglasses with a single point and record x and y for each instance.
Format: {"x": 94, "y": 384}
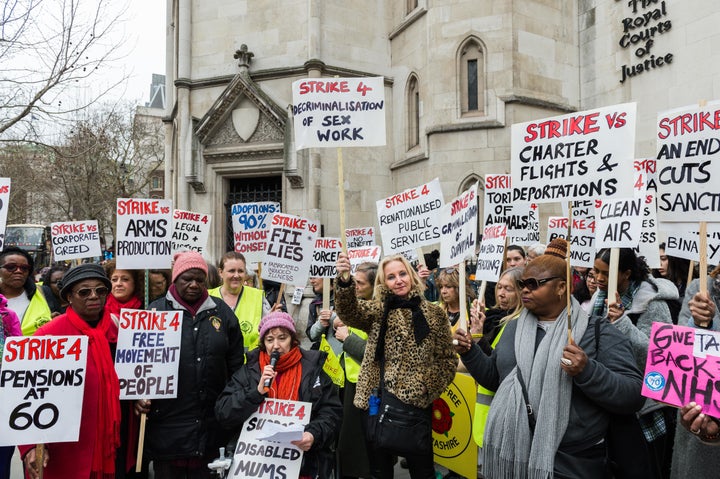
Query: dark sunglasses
{"x": 533, "y": 283}
{"x": 86, "y": 292}
{"x": 12, "y": 267}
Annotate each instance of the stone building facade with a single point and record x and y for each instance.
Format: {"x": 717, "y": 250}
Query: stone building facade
{"x": 458, "y": 74}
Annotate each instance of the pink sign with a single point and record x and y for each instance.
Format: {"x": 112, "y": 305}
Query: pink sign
{"x": 683, "y": 365}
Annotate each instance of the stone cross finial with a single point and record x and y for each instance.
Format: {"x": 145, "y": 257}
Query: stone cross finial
{"x": 244, "y": 56}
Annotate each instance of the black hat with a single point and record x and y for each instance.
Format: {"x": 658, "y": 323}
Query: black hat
{"x": 80, "y": 273}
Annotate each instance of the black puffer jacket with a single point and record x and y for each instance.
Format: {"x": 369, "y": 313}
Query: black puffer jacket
{"x": 211, "y": 350}
{"x": 241, "y": 399}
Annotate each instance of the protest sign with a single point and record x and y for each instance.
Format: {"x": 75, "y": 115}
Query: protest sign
{"x": 75, "y": 240}
{"x": 357, "y": 237}
{"x": 324, "y": 257}
{"x": 291, "y": 241}
{"x": 618, "y": 223}
{"x": 452, "y": 424}
{"x": 143, "y": 233}
{"x": 688, "y": 166}
{"x": 523, "y": 224}
{"x": 492, "y": 249}
{"x": 582, "y": 155}
{"x": 686, "y": 245}
{"x": 520, "y": 218}
{"x": 334, "y": 112}
{"x": 190, "y": 231}
{"x": 255, "y": 457}
{"x": 42, "y": 384}
{"x": 582, "y": 238}
{"x": 4, "y": 202}
{"x": 370, "y": 254}
{"x": 683, "y": 365}
{"x": 497, "y": 199}
{"x": 250, "y": 228}
{"x": 459, "y": 228}
{"x": 410, "y": 220}
{"x": 148, "y": 353}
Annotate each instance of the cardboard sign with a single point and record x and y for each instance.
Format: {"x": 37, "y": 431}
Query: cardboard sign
{"x": 291, "y": 241}
{"x": 618, "y": 223}
{"x": 523, "y": 224}
{"x": 688, "y": 167}
{"x": 250, "y": 228}
{"x": 334, "y": 112}
{"x": 459, "y": 228}
{"x": 411, "y": 219}
{"x": 324, "y": 257}
{"x": 148, "y": 353}
{"x": 357, "y": 237}
{"x": 143, "y": 233}
{"x": 683, "y": 365}
{"x": 190, "y": 231}
{"x": 582, "y": 238}
{"x": 686, "y": 245}
{"x": 492, "y": 250}
{"x": 364, "y": 254}
{"x": 582, "y": 155}
{"x": 4, "y": 203}
{"x": 255, "y": 457}
{"x": 75, "y": 240}
{"x": 452, "y": 423}
{"x": 42, "y": 384}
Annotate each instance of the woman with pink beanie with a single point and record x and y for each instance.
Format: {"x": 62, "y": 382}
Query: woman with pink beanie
{"x": 182, "y": 435}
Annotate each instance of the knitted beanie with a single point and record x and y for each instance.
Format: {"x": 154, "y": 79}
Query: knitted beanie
{"x": 557, "y": 247}
{"x": 186, "y": 260}
{"x": 277, "y": 319}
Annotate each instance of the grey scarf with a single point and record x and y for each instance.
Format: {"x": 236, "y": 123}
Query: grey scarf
{"x": 510, "y": 450}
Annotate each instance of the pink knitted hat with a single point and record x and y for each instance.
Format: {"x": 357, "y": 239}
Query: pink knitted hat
{"x": 278, "y": 319}
{"x": 186, "y": 260}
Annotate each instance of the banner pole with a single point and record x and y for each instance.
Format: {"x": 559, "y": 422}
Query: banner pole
{"x": 702, "y": 247}
{"x": 462, "y": 297}
{"x": 568, "y": 272}
{"x": 341, "y": 205}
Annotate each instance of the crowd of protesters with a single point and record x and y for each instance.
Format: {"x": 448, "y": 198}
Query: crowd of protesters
{"x": 558, "y": 379}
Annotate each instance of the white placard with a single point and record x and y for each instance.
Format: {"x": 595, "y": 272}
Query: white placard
{"x": 411, "y": 219}
{"x": 148, "y": 353}
{"x": 291, "y": 241}
{"x": 334, "y": 112}
{"x": 497, "y": 198}
{"x": 4, "y": 204}
{"x": 143, "y": 233}
{"x": 357, "y": 237}
{"x": 618, "y": 223}
{"x": 251, "y": 457}
{"x": 75, "y": 240}
{"x": 685, "y": 245}
{"x": 459, "y": 228}
{"x": 190, "y": 231}
{"x": 324, "y": 257}
{"x": 581, "y": 155}
{"x": 251, "y": 222}
{"x": 582, "y": 238}
{"x": 369, "y": 254}
{"x": 688, "y": 167}
{"x": 42, "y": 384}
{"x": 492, "y": 249}
{"x": 523, "y": 224}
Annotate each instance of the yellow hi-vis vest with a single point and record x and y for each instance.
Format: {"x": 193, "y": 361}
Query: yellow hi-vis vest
{"x": 248, "y": 312}
{"x": 36, "y": 314}
{"x": 352, "y": 367}
{"x": 482, "y": 403}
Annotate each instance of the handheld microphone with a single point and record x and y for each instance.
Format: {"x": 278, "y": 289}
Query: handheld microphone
{"x": 274, "y": 356}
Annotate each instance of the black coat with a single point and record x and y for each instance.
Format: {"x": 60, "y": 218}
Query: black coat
{"x": 211, "y": 350}
{"x": 241, "y": 399}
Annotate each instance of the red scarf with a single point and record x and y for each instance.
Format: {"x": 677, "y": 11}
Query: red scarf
{"x": 113, "y": 306}
{"x": 286, "y": 384}
{"x": 107, "y": 436}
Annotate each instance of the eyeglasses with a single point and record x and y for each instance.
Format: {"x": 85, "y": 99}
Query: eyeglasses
{"x": 533, "y": 283}
{"x": 12, "y": 267}
{"x": 86, "y": 292}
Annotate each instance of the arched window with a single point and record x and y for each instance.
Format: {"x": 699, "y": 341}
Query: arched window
{"x": 471, "y": 66}
{"x": 413, "y": 112}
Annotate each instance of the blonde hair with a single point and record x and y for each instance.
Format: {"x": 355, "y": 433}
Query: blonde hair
{"x": 381, "y": 290}
{"x": 515, "y": 274}
{"x": 450, "y": 277}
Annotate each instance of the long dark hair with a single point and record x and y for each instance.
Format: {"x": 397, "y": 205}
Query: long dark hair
{"x": 628, "y": 260}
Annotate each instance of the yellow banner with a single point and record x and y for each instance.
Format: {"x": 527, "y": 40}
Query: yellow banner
{"x": 452, "y": 422}
{"x": 332, "y": 364}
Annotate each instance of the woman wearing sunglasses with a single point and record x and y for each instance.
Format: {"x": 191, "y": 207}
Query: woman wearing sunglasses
{"x": 18, "y": 286}
{"x": 558, "y": 430}
{"x": 85, "y": 288}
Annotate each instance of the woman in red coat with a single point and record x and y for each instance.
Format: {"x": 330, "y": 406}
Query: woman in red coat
{"x": 92, "y": 456}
